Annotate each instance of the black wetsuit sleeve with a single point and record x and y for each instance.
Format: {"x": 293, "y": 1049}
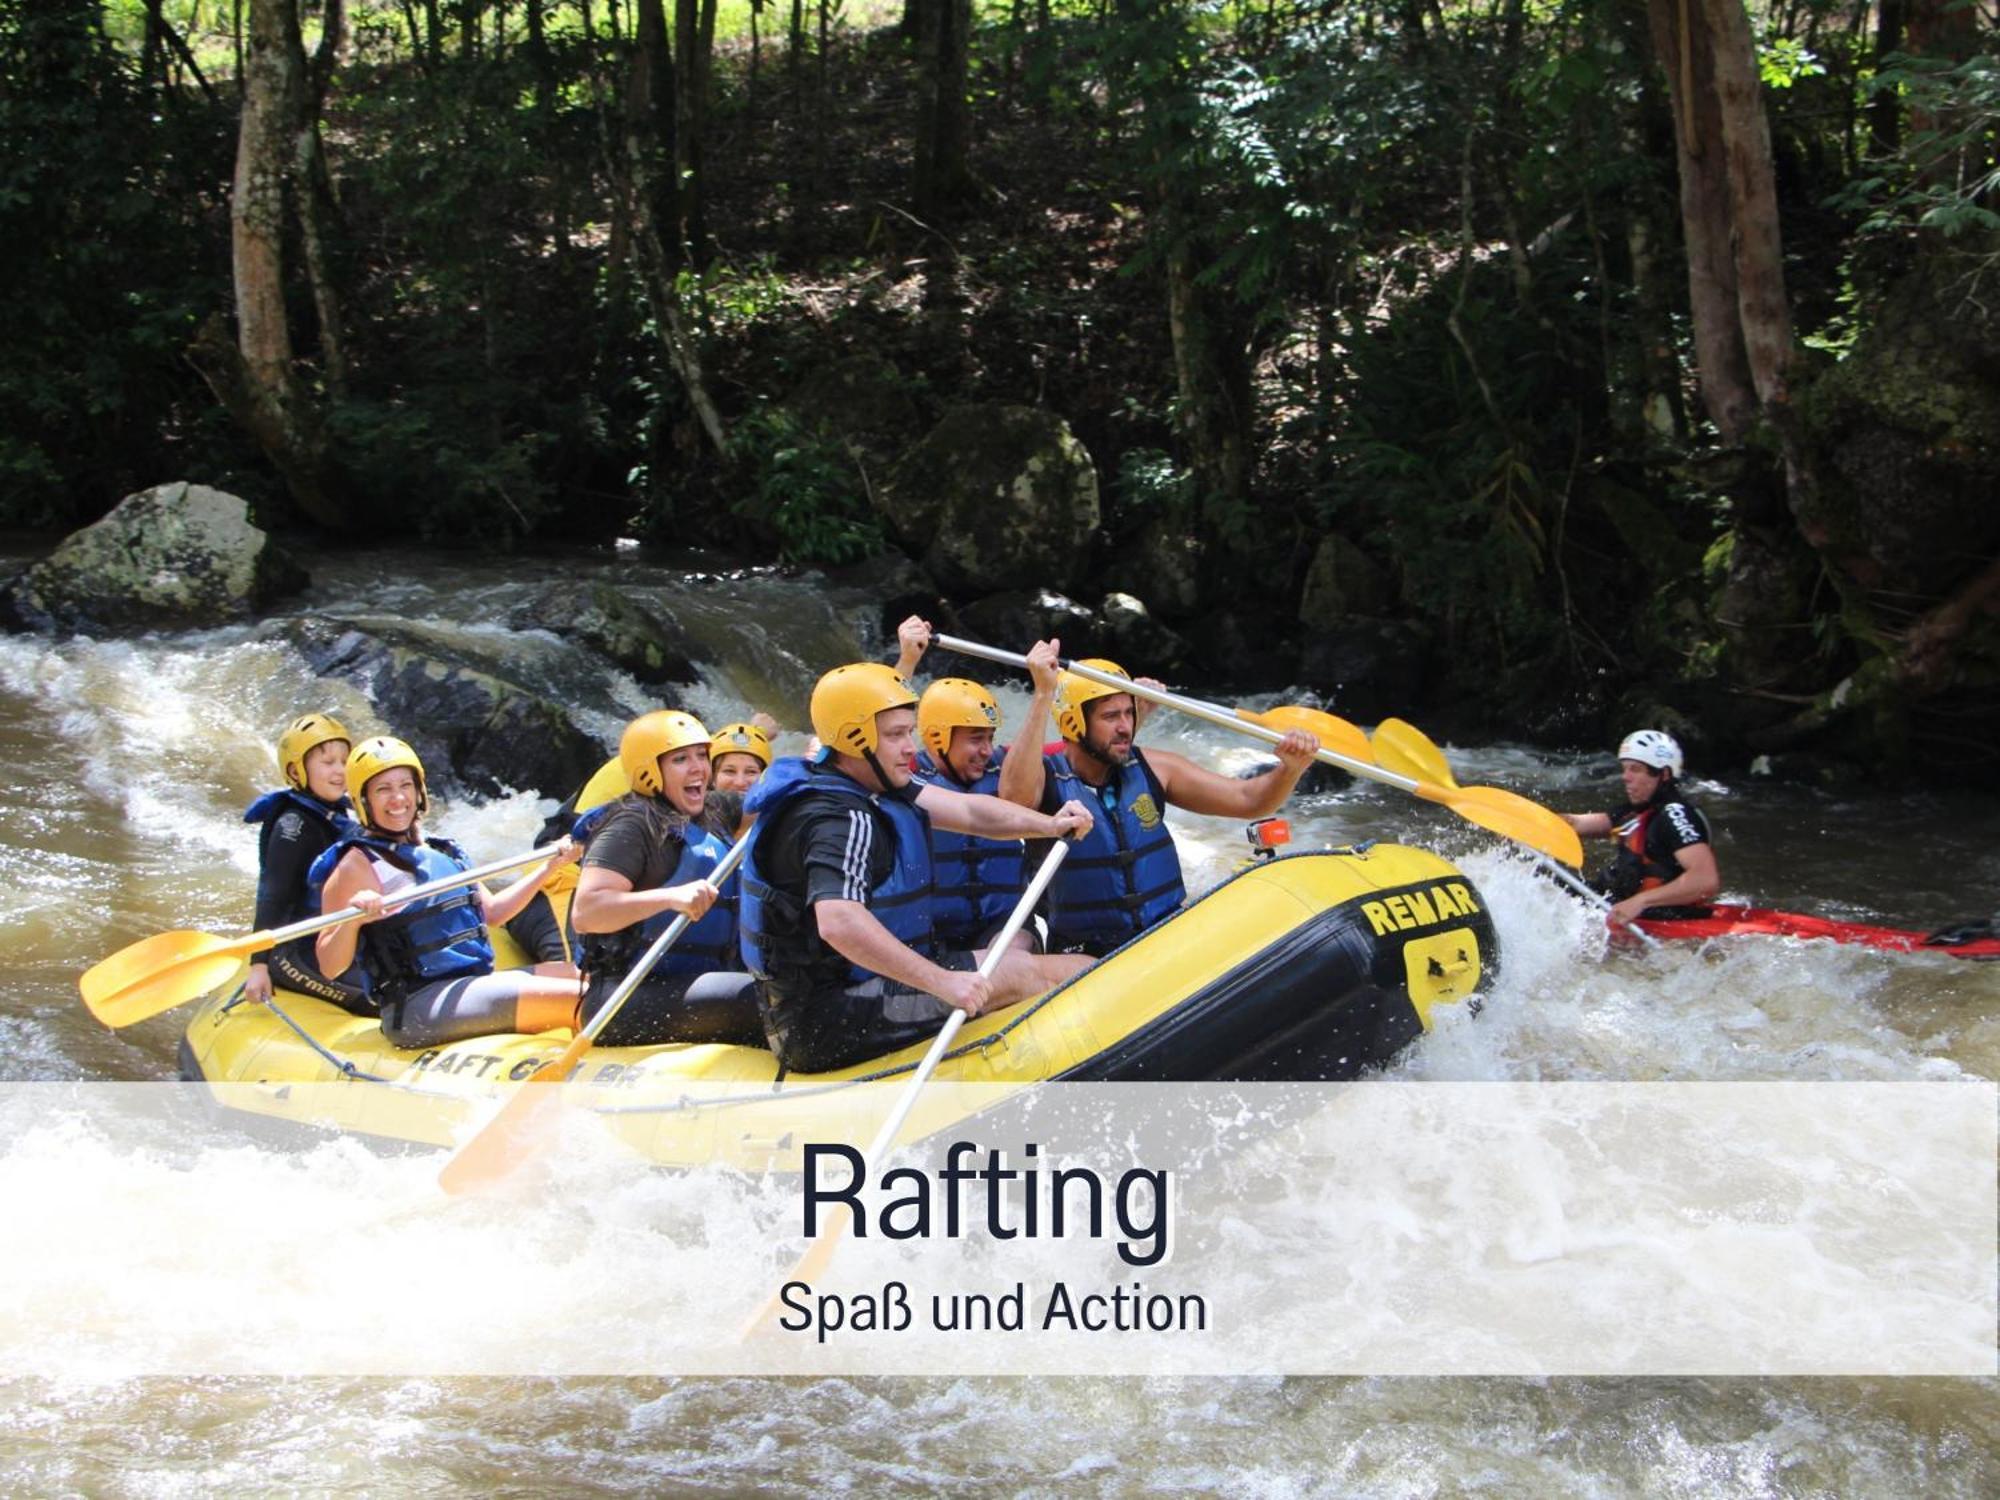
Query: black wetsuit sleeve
{"x": 286, "y": 849}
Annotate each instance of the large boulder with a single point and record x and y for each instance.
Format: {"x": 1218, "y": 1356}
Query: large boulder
{"x": 1368, "y": 669}
{"x": 644, "y": 642}
{"x": 1140, "y": 643}
{"x": 996, "y": 497}
{"x": 1342, "y": 580}
{"x": 1162, "y": 566}
{"x": 175, "y": 556}
{"x": 1017, "y": 619}
{"x": 459, "y": 714}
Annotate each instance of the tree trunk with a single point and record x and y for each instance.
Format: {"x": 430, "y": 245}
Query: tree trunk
{"x": 649, "y": 124}
{"x": 313, "y": 193}
{"x": 694, "y": 31}
{"x": 942, "y": 176}
{"x": 1722, "y": 364}
{"x": 1741, "y": 322}
{"x": 257, "y": 380}
{"x": 640, "y": 201}
{"x": 1885, "y": 111}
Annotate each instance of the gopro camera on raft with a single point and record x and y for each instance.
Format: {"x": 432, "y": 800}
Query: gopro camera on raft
{"x": 1267, "y": 836}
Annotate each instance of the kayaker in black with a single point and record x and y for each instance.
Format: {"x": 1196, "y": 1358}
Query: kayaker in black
{"x": 1665, "y": 865}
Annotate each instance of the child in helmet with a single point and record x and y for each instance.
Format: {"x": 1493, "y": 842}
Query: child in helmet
{"x": 427, "y": 966}
{"x": 298, "y": 822}
{"x": 649, "y": 861}
{"x": 1666, "y": 863}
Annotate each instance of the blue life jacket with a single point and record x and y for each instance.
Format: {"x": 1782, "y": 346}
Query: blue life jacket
{"x": 777, "y": 934}
{"x": 977, "y": 880}
{"x": 707, "y": 945}
{"x": 440, "y": 937}
{"x": 1125, "y": 875}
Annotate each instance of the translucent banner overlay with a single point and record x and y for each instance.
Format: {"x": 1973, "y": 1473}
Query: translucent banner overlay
{"x": 1370, "y": 1228}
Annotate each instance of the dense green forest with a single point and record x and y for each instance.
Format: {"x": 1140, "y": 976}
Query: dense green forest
{"x": 1556, "y": 364}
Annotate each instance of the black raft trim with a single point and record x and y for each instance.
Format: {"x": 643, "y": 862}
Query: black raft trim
{"x": 1260, "y": 1020}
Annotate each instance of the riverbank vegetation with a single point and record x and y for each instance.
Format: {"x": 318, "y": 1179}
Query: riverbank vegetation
{"x": 1541, "y": 366}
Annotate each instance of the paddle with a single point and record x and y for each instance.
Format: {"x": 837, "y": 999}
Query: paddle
{"x": 1498, "y": 811}
{"x": 1406, "y": 748}
{"x": 169, "y": 968}
{"x": 820, "y": 1251}
{"x": 1332, "y": 733}
{"x": 491, "y": 1152}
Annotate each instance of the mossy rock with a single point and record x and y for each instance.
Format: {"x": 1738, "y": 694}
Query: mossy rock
{"x": 997, "y": 497}
{"x": 177, "y": 556}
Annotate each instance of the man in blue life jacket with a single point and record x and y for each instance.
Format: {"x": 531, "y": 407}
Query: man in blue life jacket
{"x": 1666, "y": 863}
{"x": 836, "y": 915}
{"x": 978, "y": 880}
{"x": 1125, "y": 874}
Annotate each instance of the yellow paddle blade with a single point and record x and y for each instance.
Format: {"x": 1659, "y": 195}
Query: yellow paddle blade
{"x": 1512, "y": 817}
{"x": 1333, "y": 734}
{"x": 160, "y": 972}
{"x": 1406, "y": 749}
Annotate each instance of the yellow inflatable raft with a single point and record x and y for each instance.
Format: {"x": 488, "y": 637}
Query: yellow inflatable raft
{"x": 1314, "y": 965}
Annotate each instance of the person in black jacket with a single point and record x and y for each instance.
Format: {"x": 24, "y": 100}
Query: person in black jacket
{"x": 300, "y": 821}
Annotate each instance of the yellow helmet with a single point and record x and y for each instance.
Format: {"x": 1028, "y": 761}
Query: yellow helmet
{"x": 952, "y": 703}
{"x": 1072, "y": 692}
{"x": 371, "y": 758}
{"x": 846, "y": 700}
{"x": 650, "y": 736}
{"x": 741, "y": 739}
{"x": 301, "y": 738}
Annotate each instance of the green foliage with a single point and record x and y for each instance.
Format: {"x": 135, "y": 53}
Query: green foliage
{"x": 110, "y": 215}
{"x": 1947, "y": 177}
{"x": 1782, "y": 61}
{"x": 804, "y": 489}
{"x": 1150, "y": 483}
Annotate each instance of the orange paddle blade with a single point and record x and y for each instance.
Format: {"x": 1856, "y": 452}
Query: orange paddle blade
{"x": 1332, "y": 734}
{"x": 160, "y": 972}
{"x": 498, "y": 1146}
{"x": 1404, "y": 748}
{"x": 1512, "y": 817}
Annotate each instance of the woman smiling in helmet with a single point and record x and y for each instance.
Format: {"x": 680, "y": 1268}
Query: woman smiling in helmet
{"x": 428, "y": 966}
{"x": 1665, "y": 864}
{"x": 740, "y": 753}
{"x": 300, "y": 821}
{"x": 650, "y": 861}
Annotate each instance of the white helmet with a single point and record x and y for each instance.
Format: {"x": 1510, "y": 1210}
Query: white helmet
{"x": 1652, "y": 747}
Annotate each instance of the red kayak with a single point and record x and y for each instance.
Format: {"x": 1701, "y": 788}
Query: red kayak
{"x": 1976, "y": 941}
